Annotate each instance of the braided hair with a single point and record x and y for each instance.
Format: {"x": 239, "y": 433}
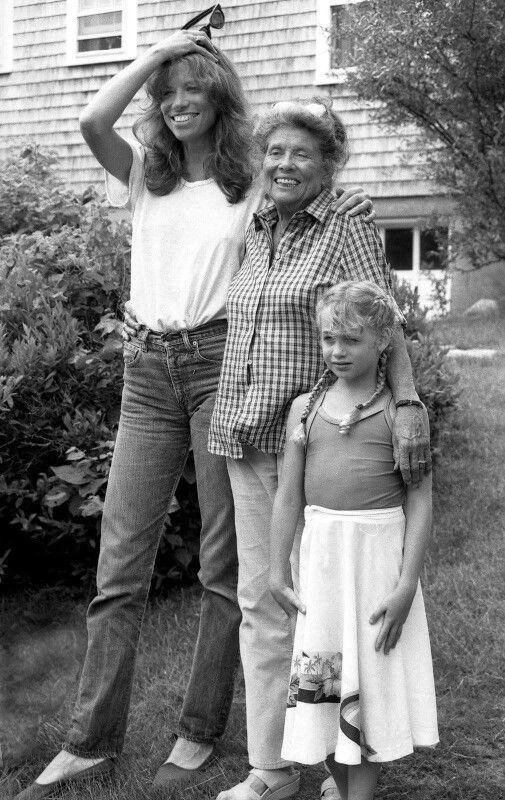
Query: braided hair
{"x": 354, "y": 304}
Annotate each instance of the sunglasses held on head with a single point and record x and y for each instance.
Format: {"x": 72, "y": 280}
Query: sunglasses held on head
{"x": 216, "y": 20}
{"x": 317, "y": 109}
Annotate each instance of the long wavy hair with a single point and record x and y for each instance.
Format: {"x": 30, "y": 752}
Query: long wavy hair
{"x": 229, "y": 162}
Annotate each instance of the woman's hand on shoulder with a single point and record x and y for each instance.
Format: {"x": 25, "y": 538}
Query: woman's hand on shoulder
{"x": 181, "y": 43}
{"x": 354, "y": 201}
{"x": 393, "y": 611}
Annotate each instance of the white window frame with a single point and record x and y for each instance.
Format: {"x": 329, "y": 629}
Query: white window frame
{"x": 128, "y": 49}
{"x": 324, "y": 74}
{"x": 6, "y": 36}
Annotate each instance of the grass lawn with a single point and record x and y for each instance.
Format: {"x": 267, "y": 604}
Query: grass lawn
{"x": 43, "y": 638}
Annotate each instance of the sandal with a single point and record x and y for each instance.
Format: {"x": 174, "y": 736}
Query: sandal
{"x": 329, "y": 790}
{"x": 253, "y": 788}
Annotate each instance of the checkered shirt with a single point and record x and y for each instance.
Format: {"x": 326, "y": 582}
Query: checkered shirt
{"x": 272, "y": 351}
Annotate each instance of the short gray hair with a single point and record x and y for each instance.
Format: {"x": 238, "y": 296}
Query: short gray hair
{"x": 328, "y": 129}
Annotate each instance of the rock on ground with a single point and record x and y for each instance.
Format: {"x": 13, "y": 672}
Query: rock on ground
{"x": 485, "y": 307}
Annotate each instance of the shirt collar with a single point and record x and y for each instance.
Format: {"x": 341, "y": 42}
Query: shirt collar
{"x": 319, "y": 208}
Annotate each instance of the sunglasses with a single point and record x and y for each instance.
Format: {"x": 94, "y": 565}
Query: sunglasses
{"x": 216, "y": 20}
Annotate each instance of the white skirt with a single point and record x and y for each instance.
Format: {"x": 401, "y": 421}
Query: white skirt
{"x": 344, "y": 696}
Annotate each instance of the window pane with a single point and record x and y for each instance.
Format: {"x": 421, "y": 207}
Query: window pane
{"x": 97, "y": 5}
{"x": 105, "y": 43}
{"x": 434, "y": 248}
{"x": 99, "y": 23}
{"x": 342, "y": 39}
{"x": 399, "y": 247}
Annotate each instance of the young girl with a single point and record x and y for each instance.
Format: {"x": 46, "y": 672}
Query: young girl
{"x": 361, "y": 689}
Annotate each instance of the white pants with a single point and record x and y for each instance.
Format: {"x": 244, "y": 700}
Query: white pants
{"x": 266, "y": 633}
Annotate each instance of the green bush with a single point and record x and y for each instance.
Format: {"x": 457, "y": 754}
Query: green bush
{"x": 31, "y": 198}
{"x": 435, "y": 379}
{"x": 63, "y": 270}
{"x": 407, "y": 298}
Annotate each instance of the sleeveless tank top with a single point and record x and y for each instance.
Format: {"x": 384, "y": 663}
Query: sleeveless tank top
{"x": 352, "y": 471}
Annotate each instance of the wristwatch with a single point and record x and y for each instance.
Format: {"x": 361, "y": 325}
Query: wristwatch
{"x": 409, "y": 403}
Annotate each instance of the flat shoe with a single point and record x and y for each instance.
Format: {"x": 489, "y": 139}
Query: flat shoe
{"x": 38, "y": 790}
{"x": 253, "y": 788}
{"x": 329, "y": 790}
{"x": 170, "y": 775}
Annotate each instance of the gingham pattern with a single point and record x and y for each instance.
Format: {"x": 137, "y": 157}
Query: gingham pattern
{"x": 272, "y": 351}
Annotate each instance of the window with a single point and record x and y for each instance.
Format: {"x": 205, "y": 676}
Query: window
{"x": 335, "y": 44}
{"x": 6, "y": 36}
{"x": 410, "y": 248}
{"x": 101, "y": 30}
{"x": 418, "y": 255}
{"x": 342, "y": 41}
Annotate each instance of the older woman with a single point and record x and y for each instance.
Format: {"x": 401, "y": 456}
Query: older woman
{"x": 295, "y": 248}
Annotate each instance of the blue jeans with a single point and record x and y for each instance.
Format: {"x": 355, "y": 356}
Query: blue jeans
{"x": 168, "y": 397}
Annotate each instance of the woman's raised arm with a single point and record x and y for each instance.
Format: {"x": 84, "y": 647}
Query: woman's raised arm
{"x": 104, "y": 109}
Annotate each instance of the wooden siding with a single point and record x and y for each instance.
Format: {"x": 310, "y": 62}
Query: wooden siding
{"x": 272, "y": 44}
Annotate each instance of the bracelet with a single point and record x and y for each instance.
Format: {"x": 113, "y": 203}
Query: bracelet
{"x": 409, "y": 403}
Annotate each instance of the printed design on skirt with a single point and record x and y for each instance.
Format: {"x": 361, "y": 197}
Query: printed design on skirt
{"x": 350, "y": 723}
{"x": 315, "y": 678}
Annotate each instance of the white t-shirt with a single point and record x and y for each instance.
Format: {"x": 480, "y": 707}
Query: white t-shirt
{"x": 186, "y": 247}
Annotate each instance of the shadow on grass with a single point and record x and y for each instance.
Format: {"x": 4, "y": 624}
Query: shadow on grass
{"x": 42, "y": 644}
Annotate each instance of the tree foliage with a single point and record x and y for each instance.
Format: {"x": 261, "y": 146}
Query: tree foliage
{"x": 441, "y": 65}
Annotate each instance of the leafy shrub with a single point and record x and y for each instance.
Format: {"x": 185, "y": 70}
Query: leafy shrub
{"x": 63, "y": 269}
{"x": 439, "y": 296}
{"x": 31, "y": 198}
{"x": 407, "y": 298}
{"x": 435, "y": 379}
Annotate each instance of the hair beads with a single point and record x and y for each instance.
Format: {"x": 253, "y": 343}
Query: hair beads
{"x": 325, "y": 381}
{"x": 348, "y": 421}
